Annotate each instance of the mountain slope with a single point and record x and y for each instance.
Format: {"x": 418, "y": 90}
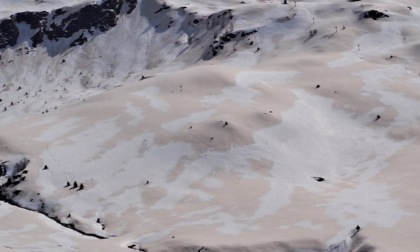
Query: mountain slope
{"x": 224, "y": 126}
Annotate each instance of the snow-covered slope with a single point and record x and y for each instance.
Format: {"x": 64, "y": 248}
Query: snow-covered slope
{"x": 150, "y": 36}
{"x": 212, "y": 126}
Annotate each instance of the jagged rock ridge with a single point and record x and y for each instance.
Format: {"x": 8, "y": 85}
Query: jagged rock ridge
{"x": 65, "y": 22}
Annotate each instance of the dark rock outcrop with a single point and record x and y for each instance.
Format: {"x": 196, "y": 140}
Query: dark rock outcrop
{"x": 374, "y": 14}
{"x": 220, "y": 42}
{"x": 66, "y": 22}
{"x": 3, "y": 168}
{"x": 38, "y": 38}
{"x": 34, "y": 19}
{"x": 9, "y": 33}
{"x": 100, "y": 17}
{"x": 131, "y": 5}
{"x": 58, "y": 12}
{"x": 79, "y": 41}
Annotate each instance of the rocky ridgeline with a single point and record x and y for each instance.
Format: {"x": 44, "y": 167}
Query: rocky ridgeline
{"x": 65, "y": 22}
{"x": 72, "y": 26}
{"x": 75, "y": 25}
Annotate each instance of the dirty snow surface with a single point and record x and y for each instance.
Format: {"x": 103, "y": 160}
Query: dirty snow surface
{"x": 215, "y": 126}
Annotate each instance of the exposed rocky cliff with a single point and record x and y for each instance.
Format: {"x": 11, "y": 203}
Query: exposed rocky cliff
{"x": 68, "y": 22}
{"x": 9, "y": 33}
